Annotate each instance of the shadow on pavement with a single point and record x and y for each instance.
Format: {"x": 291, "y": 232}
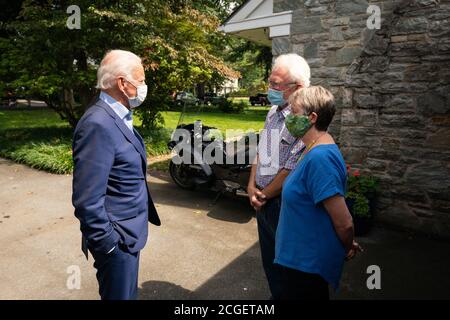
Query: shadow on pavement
{"x": 411, "y": 268}
{"x": 228, "y": 208}
{"x": 162, "y": 290}
{"x": 243, "y": 278}
{"x": 242, "y": 212}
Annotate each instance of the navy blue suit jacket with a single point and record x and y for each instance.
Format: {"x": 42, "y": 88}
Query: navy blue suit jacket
{"x": 110, "y": 192}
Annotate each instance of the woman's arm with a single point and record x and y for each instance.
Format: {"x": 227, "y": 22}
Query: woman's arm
{"x": 342, "y": 220}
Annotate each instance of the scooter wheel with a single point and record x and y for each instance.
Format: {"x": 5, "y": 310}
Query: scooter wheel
{"x": 181, "y": 176}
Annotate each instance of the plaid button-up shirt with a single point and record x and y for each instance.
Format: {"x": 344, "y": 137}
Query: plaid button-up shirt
{"x": 277, "y": 148}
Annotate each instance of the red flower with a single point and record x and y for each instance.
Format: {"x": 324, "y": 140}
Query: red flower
{"x": 356, "y": 173}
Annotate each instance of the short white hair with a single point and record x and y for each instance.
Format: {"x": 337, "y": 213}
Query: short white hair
{"x": 297, "y": 67}
{"x": 114, "y": 64}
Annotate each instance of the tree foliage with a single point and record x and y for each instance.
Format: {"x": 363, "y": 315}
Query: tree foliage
{"x": 252, "y": 60}
{"x": 42, "y": 57}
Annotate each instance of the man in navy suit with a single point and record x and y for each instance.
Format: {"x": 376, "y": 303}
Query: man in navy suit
{"x": 110, "y": 192}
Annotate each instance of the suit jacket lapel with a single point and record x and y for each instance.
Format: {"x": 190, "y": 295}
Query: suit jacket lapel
{"x": 144, "y": 153}
{"x": 125, "y": 130}
{"x": 141, "y": 141}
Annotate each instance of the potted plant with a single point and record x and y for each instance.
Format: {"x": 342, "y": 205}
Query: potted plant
{"x": 360, "y": 199}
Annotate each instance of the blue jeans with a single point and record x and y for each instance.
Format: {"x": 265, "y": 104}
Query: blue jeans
{"x": 267, "y": 219}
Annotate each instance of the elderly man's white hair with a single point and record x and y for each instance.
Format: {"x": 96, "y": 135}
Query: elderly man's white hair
{"x": 116, "y": 63}
{"x": 297, "y": 67}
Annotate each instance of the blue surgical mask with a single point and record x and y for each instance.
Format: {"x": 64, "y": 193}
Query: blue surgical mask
{"x": 276, "y": 97}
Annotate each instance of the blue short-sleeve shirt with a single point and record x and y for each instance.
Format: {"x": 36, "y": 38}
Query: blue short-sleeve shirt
{"x": 306, "y": 239}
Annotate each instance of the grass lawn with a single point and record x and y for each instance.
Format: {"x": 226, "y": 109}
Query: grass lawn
{"x": 241, "y": 99}
{"x": 37, "y": 138}
{"x": 40, "y": 139}
{"x": 252, "y": 120}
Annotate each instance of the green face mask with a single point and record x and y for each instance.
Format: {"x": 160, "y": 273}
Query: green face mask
{"x": 297, "y": 125}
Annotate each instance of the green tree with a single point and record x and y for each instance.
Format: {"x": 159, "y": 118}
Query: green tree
{"x": 253, "y": 61}
{"x": 58, "y": 65}
{"x": 9, "y": 11}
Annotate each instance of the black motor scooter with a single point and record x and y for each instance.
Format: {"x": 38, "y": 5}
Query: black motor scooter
{"x": 228, "y": 173}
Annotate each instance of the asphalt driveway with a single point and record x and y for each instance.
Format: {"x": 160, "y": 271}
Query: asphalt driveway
{"x": 202, "y": 250}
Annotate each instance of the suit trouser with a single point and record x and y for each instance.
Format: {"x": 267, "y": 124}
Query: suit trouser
{"x": 267, "y": 219}
{"x": 117, "y": 274}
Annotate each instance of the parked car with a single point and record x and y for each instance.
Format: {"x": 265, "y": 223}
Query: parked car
{"x": 260, "y": 98}
{"x": 186, "y": 97}
{"x": 212, "y": 98}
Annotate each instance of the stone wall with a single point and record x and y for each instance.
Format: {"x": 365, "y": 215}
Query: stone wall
{"x": 393, "y": 91}
{"x": 330, "y": 35}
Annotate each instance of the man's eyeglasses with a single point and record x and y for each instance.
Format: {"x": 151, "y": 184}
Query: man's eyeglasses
{"x": 132, "y": 82}
{"x": 274, "y": 84}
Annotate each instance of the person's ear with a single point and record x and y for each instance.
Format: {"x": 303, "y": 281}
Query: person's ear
{"x": 121, "y": 83}
{"x": 313, "y": 117}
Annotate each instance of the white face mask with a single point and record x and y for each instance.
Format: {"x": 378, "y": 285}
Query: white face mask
{"x": 141, "y": 94}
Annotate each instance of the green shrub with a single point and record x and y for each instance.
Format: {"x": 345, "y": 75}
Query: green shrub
{"x": 228, "y": 106}
{"x": 240, "y": 93}
{"x": 361, "y": 189}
